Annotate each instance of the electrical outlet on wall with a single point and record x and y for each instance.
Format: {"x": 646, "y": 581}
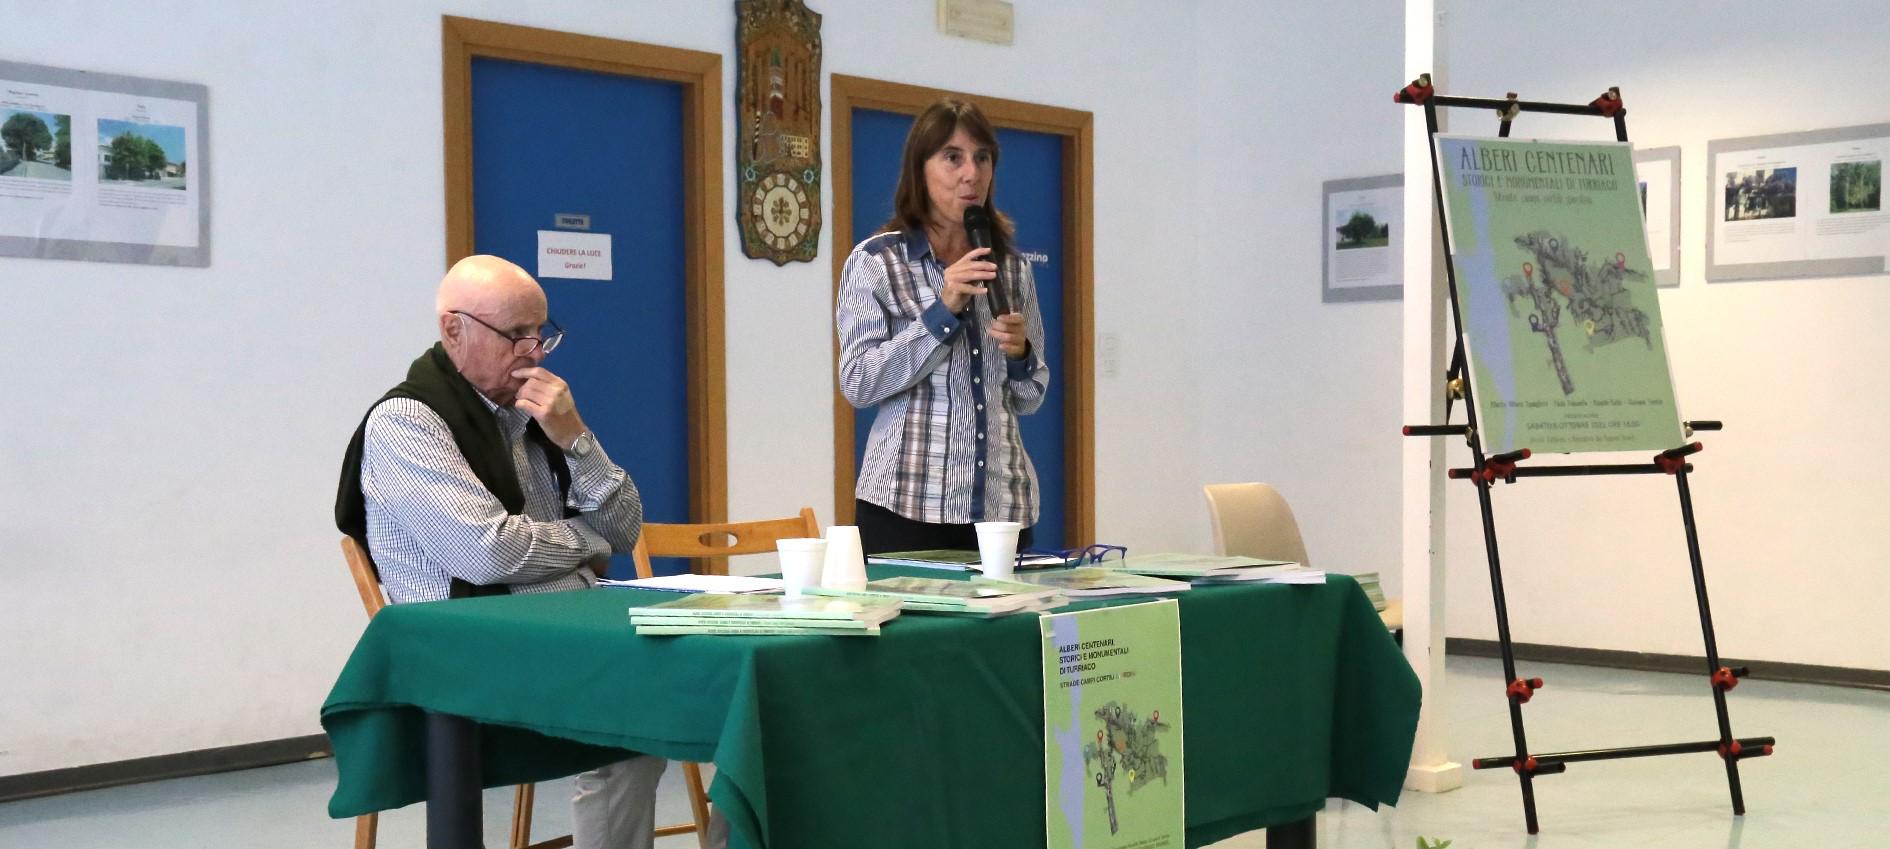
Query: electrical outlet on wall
{"x": 1109, "y": 350}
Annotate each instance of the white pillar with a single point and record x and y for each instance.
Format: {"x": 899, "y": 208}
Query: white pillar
{"x": 1427, "y": 340}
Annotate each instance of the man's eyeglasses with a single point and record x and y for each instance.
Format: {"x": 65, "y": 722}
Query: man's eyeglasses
{"x": 1084, "y": 556}
{"x": 522, "y": 346}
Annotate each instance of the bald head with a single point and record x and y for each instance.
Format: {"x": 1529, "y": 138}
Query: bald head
{"x": 481, "y": 283}
{"x": 483, "y": 304}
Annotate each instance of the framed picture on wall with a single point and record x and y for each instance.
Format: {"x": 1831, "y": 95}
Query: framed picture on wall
{"x": 103, "y": 167}
{"x": 1361, "y": 225}
{"x": 1657, "y": 169}
{"x": 1797, "y": 205}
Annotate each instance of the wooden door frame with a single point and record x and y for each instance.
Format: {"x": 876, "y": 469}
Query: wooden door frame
{"x": 1077, "y": 129}
{"x": 700, "y": 75}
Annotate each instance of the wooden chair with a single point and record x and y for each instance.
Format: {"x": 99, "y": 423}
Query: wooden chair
{"x": 1254, "y": 520}
{"x": 708, "y": 544}
{"x": 367, "y": 581}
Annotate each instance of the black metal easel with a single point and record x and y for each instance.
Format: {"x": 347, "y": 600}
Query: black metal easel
{"x": 1485, "y": 471}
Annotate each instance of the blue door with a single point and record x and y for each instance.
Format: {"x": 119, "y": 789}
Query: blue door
{"x": 1029, "y": 188}
{"x": 549, "y": 140}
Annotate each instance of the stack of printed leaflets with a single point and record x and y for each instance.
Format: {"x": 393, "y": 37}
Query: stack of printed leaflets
{"x": 1089, "y": 581}
{"x": 956, "y": 560}
{"x": 979, "y": 597}
{"x": 1205, "y": 568}
{"x": 755, "y": 615}
{"x": 1368, "y": 581}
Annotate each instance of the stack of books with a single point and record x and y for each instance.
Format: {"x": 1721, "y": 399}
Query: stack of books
{"x": 759, "y": 615}
{"x": 979, "y": 597}
{"x": 1368, "y": 581}
{"x": 1208, "y": 569}
{"x": 689, "y": 582}
{"x": 1089, "y": 581}
{"x": 956, "y": 560}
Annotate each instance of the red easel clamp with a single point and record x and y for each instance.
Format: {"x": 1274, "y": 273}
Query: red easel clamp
{"x": 1609, "y": 102}
{"x": 1522, "y": 690}
{"x": 1503, "y": 465}
{"x": 1726, "y": 678}
{"x": 1417, "y": 92}
{"x": 1674, "y": 460}
{"x": 1527, "y": 764}
{"x": 1736, "y": 750}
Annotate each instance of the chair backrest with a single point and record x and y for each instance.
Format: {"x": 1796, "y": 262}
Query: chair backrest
{"x": 1253, "y": 520}
{"x": 709, "y": 542}
{"x": 366, "y": 580}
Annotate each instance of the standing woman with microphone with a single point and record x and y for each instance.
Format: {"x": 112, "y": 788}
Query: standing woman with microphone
{"x": 940, "y": 331}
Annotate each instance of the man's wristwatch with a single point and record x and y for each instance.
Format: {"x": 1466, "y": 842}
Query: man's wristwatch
{"x": 583, "y": 445}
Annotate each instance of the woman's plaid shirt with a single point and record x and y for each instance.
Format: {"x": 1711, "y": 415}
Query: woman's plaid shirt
{"x": 945, "y": 445}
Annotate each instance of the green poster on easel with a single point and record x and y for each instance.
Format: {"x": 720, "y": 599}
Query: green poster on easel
{"x": 1560, "y": 315}
{"x": 1112, "y": 758}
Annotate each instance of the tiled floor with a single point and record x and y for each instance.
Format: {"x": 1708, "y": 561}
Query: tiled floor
{"x": 1828, "y": 787}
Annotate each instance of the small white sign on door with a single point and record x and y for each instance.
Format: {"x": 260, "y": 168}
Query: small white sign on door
{"x": 584, "y": 256}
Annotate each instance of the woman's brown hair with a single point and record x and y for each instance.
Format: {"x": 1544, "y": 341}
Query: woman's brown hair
{"x": 930, "y": 132}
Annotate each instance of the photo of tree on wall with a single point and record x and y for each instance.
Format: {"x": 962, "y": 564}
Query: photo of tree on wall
{"x": 1362, "y": 230}
{"x": 36, "y": 145}
{"x": 1857, "y": 186}
{"x": 147, "y": 156}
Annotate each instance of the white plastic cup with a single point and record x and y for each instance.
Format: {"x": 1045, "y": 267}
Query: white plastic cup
{"x": 845, "y": 567}
{"x": 997, "y": 547}
{"x": 801, "y": 562}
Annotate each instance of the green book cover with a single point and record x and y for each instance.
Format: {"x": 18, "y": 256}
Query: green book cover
{"x": 952, "y": 558}
{"x": 1194, "y": 565}
{"x": 760, "y": 629}
{"x": 750, "y": 605}
{"x": 746, "y": 622}
{"x": 978, "y": 592}
{"x": 1113, "y": 760}
{"x": 1556, "y": 293}
{"x": 1095, "y": 581}
{"x": 1035, "y": 605}
{"x": 927, "y": 557}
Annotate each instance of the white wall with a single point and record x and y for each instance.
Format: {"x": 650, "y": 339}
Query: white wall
{"x": 168, "y": 572}
{"x": 1295, "y": 392}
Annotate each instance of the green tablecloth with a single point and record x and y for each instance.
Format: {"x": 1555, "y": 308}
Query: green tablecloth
{"x": 930, "y": 735}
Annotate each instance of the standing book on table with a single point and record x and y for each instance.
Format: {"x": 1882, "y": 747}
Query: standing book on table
{"x": 1114, "y": 759}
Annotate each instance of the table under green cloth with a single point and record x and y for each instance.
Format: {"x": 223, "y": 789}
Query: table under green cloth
{"x": 930, "y": 735}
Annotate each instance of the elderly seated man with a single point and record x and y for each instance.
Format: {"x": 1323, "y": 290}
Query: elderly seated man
{"x": 476, "y": 476}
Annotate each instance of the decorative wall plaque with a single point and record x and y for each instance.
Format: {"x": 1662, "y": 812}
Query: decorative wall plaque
{"x": 777, "y": 107}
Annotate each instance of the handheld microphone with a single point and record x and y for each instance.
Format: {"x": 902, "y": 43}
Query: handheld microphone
{"x": 978, "y": 228}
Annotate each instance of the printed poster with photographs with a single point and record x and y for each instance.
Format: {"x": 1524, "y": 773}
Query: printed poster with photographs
{"x": 1361, "y": 226}
{"x": 1798, "y": 205}
{"x": 101, "y": 167}
{"x": 1560, "y": 317}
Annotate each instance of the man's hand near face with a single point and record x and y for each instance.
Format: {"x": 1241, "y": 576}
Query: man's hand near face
{"x": 548, "y": 399}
